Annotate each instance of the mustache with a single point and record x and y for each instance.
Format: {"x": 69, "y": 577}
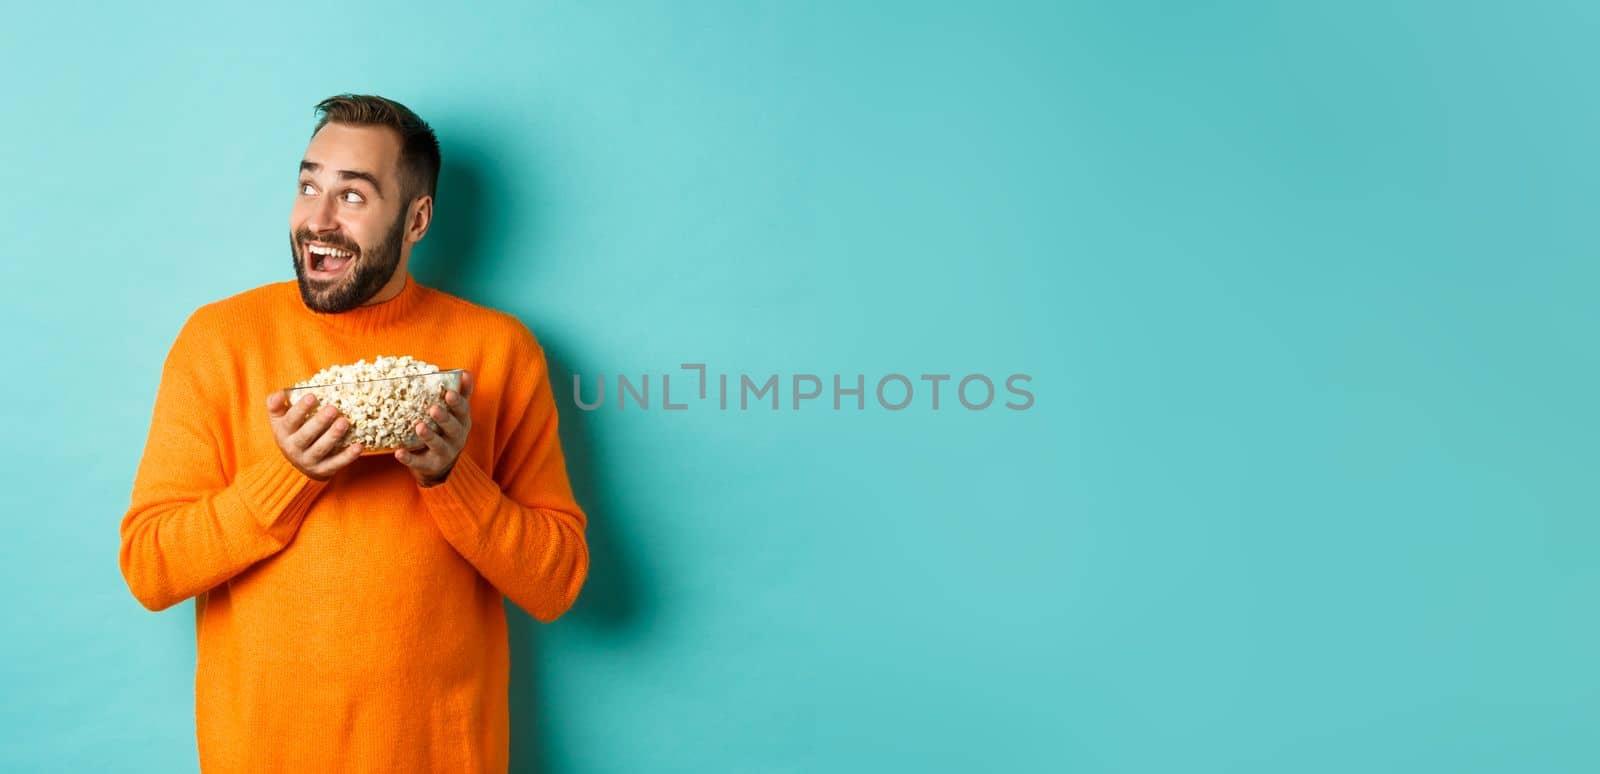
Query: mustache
{"x": 302, "y": 237}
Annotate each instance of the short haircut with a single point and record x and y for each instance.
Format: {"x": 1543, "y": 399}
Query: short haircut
{"x": 419, "y": 148}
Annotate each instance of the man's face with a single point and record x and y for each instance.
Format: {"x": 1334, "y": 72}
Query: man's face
{"x": 348, "y": 200}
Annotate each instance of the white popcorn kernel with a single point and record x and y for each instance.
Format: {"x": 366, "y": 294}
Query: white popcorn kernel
{"x": 382, "y": 405}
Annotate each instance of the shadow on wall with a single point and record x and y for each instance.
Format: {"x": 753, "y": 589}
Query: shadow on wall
{"x": 474, "y": 201}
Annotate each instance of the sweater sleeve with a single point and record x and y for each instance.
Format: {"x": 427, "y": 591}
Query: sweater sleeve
{"x": 521, "y": 528}
{"x": 188, "y": 526}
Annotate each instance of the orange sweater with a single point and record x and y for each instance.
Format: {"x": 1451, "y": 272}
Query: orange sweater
{"x": 353, "y": 625}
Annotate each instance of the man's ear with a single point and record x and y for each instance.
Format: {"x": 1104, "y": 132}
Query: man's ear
{"x": 418, "y": 218}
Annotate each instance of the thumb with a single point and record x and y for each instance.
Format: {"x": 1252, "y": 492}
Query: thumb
{"x": 466, "y": 384}
{"x": 277, "y": 403}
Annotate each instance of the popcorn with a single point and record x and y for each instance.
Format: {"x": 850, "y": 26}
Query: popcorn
{"x": 382, "y": 400}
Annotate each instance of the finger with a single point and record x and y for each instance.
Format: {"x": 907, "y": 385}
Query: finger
{"x": 415, "y": 458}
{"x": 277, "y": 404}
{"x": 348, "y": 455}
{"x": 436, "y": 443}
{"x": 449, "y": 424}
{"x": 297, "y": 413}
{"x": 337, "y": 462}
{"x": 467, "y": 381}
{"x": 314, "y": 427}
{"x": 458, "y": 406}
{"x": 326, "y": 444}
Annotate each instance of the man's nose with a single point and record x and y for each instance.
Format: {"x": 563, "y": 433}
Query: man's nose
{"x": 323, "y": 216}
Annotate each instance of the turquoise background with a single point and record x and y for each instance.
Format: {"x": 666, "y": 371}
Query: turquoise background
{"x": 1307, "y": 292}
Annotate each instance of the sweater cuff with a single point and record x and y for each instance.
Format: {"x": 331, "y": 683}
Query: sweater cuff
{"x": 278, "y": 495}
{"x": 463, "y": 505}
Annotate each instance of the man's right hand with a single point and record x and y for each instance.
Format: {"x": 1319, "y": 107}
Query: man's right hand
{"x": 312, "y": 445}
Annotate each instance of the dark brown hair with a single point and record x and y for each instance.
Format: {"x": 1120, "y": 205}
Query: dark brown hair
{"x": 419, "y": 149}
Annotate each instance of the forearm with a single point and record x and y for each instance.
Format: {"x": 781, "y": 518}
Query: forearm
{"x": 176, "y": 546}
{"x": 535, "y": 554}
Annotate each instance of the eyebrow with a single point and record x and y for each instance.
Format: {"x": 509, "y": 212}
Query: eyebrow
{"x": 346, "y": 174}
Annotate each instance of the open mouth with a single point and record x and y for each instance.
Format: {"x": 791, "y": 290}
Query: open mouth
{"x": 325, "y": 262}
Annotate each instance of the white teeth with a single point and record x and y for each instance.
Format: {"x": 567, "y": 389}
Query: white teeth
{"x": 320, "y": 250}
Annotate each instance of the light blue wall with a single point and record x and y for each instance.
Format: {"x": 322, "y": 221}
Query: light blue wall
{"x": 1307, "y": 292}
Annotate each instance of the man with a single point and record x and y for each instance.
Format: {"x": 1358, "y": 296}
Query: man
{"x": 348, "y": 608}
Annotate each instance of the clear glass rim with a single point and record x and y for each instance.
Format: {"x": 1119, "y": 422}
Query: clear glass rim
{"x": 441, "y": 372}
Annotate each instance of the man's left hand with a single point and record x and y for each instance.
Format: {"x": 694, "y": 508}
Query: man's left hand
{"x": 431, "y": 464}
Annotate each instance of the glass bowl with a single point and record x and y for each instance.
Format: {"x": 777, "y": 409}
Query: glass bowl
{"x": 383, "y": 413}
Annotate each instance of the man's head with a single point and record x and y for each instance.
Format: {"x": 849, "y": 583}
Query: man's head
{"x": 365, "y": 192}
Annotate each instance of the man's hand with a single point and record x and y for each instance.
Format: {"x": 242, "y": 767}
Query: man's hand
{"x": 431, "y": 464}
{"x": 310, "y": 444}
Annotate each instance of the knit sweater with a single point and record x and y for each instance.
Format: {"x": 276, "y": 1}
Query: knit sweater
{"x": 357, "y": 624}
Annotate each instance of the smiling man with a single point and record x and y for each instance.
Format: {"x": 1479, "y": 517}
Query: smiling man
{"x": 375, "y": 221}
{"x": 348, "y": 606}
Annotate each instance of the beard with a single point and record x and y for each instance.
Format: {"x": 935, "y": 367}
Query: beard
{"x": 367, "y": 273}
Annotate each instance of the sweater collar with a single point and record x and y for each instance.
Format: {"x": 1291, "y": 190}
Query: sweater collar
{"x": 372, "y": 317}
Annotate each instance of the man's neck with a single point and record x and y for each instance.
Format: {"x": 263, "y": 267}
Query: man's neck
{"x": 390, "y": 289}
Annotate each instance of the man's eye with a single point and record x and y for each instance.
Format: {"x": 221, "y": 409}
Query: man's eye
{"x": 304, "y": 186}
{"x": 359, "y": 198}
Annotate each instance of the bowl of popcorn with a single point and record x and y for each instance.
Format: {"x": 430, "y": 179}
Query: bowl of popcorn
{"x": 382, "y": 400}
